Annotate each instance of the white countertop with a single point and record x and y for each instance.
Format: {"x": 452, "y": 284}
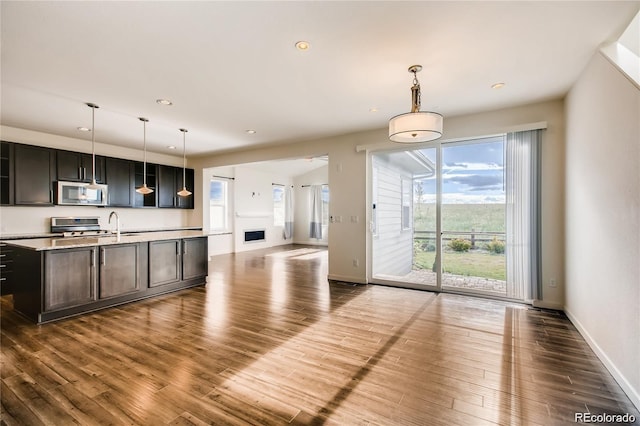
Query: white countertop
{"x": 39, "y": 244}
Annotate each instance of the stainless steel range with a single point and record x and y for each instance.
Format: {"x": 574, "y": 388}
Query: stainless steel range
{"x": 77, "y": 226}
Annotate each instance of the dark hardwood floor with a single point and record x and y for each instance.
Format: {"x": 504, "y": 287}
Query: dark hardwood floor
{"x": 270, "y": 341}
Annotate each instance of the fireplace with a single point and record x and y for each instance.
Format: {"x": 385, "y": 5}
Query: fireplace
{"x": 254, "y": 235}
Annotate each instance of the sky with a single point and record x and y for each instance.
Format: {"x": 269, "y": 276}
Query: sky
{"x": 471, "y": 172}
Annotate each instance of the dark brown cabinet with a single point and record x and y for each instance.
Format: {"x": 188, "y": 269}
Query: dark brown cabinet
{"x": 78, "y": 167}
{"x": 120, "y": 179}
{"x": 169, "y": 183}
{"x": 147, "y": 200}
{"x": 6, "y": 173}
{"x": 33, "y": 174}
{"x": 59, "y": 283}
{"x": 164, "y": 262}
{"x": 28, "y": 176}
{"x": 167, "y": 186}
{"x": 69, "y": 278}
{"x": 194, "y": 258}
{"x": 6, "y": 269}
{"x": 119, "y": 270}
{"x": 186, "y": 202}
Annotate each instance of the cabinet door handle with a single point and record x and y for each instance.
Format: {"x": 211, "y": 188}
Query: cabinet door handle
{"x": 103, "y": 257}
{"x": 91, "y": 259}
{"x": 80, "y": 173}
{"x": 184, "y": 247}
{"x": 51, "y": 196}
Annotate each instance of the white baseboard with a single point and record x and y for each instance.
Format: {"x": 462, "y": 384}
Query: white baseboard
{"x": 347, "y": 278}
{"x": 310, "y": 243}
{"x": 632, "y": 393}
{"x": 547, "y": 305}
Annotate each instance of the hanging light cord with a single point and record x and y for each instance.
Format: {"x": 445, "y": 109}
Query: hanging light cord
{"x": 93, "y": 143}
{"x": 184, "y": 192}
{"x": 184, "y": 158}
{"x": 144, "y": 143}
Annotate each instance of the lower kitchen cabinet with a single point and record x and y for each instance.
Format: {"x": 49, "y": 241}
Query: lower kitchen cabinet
{"x": 6, "y": 269}
{"x": 59, "y": 283}
{"x": 69, "y": 278}
{"x": 119, "y": 270}
{"x": 164, "y": 262}
{"x": 195, "y": 256}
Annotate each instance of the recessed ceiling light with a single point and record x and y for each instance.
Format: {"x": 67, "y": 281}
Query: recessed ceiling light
{"x": 497, "y": 86}
{"x": 84, "y": 129}
{"x": 303, "y": 45}
{"x": 250, "y": 131}
{"x": 171, "y": 147}
{"x": 164, "y": 102}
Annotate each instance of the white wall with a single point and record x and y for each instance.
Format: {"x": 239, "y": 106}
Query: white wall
{"x": 348, "y": 174}
{"x": 250, "y": 208}
{"x": 20, "y": 220}
{"x": 253, "y": 198}
{"x": 603, "y": 218}
{"x": 302, "y": 206}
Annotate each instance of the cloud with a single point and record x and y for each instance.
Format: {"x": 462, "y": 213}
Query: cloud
{"x": 472, "y": 166}
{"x": 476, "y": 182}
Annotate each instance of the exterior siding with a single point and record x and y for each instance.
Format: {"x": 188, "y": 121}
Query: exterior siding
{"x": 392, "y": 246}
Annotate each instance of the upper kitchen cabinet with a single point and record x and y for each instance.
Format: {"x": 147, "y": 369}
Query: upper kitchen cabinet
{"x": 169, "y": 183}
{"x": 33, "y": 172}
{"x": 6, "y": 173}
{"x": 186, "y": 202}
{"x": 146, "y": 200}
{"x": 78, "y": 167}
{"x": 121, "y": 180}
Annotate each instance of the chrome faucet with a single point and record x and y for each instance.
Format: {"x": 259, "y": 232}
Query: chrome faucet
{"x": 117, "y": 222}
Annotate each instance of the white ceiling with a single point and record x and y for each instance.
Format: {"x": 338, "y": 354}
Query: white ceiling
{"x": 232, "y": 66}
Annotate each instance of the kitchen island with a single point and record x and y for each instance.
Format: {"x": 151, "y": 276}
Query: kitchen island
{"x": 61, "y": 277}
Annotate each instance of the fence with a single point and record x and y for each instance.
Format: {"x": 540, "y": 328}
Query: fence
{"x": 475, "y": 237}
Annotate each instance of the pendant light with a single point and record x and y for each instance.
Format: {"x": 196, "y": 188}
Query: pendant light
{"x": 144, "y": 189}
{"x": 415, "y": 126}
{"x": 184, "y": 192}
{"x": 93, "y": 184}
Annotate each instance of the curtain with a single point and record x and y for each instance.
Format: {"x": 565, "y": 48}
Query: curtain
{"x": 288, "y": 213}
{"x": 521, "y": 162}
{"x": 315, "y": 228}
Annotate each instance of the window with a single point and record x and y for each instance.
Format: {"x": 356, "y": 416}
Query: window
{"x": 278, "y": 205}
{"x": 374, "y": 200}
{"x": 325, "y": 205}
{"x": 218, "y": 205}
{"x": 407, "y": 189}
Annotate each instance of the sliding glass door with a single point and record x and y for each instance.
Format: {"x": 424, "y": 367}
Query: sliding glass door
{"x": 473, "y": 216}
{"x": 457, "y": 217}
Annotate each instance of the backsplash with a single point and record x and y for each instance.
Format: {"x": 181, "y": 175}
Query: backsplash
{"x": 15, "y": 220}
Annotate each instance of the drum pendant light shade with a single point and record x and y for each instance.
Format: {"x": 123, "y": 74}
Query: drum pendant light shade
{"x": 415, "y": 126}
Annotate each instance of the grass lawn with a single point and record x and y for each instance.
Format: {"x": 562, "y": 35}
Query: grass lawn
{"x": 475, "y": 263}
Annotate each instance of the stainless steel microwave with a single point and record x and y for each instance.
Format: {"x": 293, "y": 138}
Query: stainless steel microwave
{"x": 79, "y": 194}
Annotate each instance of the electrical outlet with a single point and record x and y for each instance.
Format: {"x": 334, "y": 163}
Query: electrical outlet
{"x": 552, "y": 282}
{"x": 356, "y": 263}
